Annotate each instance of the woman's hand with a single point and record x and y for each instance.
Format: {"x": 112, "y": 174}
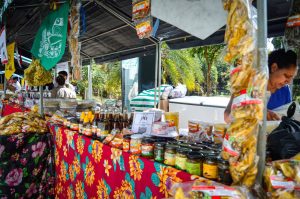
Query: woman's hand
{"x": 272, "y": 116}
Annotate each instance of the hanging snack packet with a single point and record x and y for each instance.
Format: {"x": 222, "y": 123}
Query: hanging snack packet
{"x": 144, "y": 28}
{"x": 140, "y": 9}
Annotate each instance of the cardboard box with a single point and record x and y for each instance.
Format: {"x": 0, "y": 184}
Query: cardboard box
{"x": 164, "y": 105}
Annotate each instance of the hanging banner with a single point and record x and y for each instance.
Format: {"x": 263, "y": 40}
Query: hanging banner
{"x": 3, "y": 50}
{"x": 10, "y": 66}
{"x": 50, "y": 41}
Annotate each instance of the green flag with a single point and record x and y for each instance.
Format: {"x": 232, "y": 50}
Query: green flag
{"x": 50, "y": 41}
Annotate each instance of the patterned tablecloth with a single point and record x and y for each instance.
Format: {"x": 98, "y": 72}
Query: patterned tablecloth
{"x": 12, "y": 108}
{"x": 86, "y": 168}
{"x": 26, "y": 166}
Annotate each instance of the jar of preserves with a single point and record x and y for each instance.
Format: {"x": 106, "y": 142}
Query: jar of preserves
{"x": 194, "y": 163}
{"x": 210, "y": 168}
{"x": 147, "y": 148}
{"x": 224, "y": 175}
{"x": 181, "y": 157}
{"x": 126, "y": 143}
{"x": 159, "y": 150}
{"x": 135, "y": 144}
{"x": 170, "y": 154}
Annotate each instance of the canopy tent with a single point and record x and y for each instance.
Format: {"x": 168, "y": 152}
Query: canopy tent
{"x": 110, "y": 33}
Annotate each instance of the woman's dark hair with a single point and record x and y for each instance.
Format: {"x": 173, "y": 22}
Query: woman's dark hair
{"x": 283, "y": 59}
{"x": 60, "y": 80}
{"x": 63, "y": 73}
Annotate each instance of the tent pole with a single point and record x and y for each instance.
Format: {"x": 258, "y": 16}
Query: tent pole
{"x": 159, "y": 69}
{"x": 156, "y": 72}
{"x": 262, "y": 65}
{"x": 90, "y": 86}
{"x": 4, "y": 85}
{"x": 41, "y": 101}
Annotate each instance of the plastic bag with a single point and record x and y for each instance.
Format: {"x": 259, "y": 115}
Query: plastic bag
{"x": 282, "y": 111}
{"x": 179, "y": 91}
{"x": 282, "y": 179}
{"x": 240, "y": 35}
{"x": 144, "y": 27}
{"x": 202, "y": 188}
{"x": 140, "y": 9}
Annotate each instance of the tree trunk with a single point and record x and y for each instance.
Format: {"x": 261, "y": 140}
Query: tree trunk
{"x": 208, "y": 91}
{"x": 208, "y": 86}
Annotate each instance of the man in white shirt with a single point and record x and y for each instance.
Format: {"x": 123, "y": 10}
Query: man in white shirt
{"x": 67, "y": 84}
{"x": 16, "y": 84}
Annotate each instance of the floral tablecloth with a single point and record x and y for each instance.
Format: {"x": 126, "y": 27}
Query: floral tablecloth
{"x": 86, "y": 168}
{"x": 26, "y": 166}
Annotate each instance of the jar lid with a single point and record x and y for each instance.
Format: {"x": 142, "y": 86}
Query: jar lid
{"x": 137, "y": 136}
{"x": 147, "y": 140}
{"x": 183, "y": 150}
{"x": 185, "y": 144}
{"x": 159, "y": 144}
{"x": 196, "y": 148}
{"x": 194, "y": 155}
{"x": 211, "y": 158}
{"x": 171, "y": 146}
{"x": 222, "y": 161}
{"x": 127, "y": 136}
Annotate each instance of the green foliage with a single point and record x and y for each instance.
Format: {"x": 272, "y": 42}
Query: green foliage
{"x": 106, "y": 80}
{"x": 207, "y": 57}
{"x": 179, "y": 66}
{"x": 277, "y": 42}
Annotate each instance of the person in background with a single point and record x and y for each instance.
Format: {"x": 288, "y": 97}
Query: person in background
{"x": 61, "y": 91}
{"x": 282, "y": 69}
{"x": 67, "y": 84}
{"x": 16, "y": 84}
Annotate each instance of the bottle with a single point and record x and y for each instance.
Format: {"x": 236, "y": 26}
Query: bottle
{"x": 94, "y": 124}
{"x": 115, "y": 125}
{"x": 81, "y": 122}
{"x": 100, "y": 123}
{"x": 125, "y": 120}
{"x": 130, "y": 120}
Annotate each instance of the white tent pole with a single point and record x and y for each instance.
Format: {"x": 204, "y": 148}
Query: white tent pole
{"x": 41, "y": 101}
{"x": 159, "y": 69}
{"x": 156, "y": 72}
{"x": 263, "y": 66}
{"x": 90, "y": 86}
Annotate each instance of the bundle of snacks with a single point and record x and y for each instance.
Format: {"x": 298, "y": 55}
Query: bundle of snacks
{"x": 207, "y": 189}
{"x": 248, "y": 83}
{"x": 141, "y": 17}
{"x": 282, "y": 179}
{"x": 36, "y": 75}
{"x": 28, "y": 122}
{"x": 292, "y": 30}
{"x": 74, "y": 45}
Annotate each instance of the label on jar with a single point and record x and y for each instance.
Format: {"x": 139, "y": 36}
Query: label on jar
{"x": 210, "y": 171}
{"x": 135, "y": 147}
{"x": 180, "y": 162}
{"x": 126, "y": 145}
{"x": 193, "y": 168}
{"x": 169, "y": 159}
{"x": 147, "y": 150}
{"x": 216, "y": 191}
{"x": 279, "y": 182}
{"x": 159, "y": 155}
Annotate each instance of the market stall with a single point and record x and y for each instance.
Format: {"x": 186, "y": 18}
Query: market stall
{"x": 89, "y": 161}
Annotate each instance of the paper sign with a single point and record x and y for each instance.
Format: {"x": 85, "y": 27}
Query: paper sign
{"x": 142, "y": 122}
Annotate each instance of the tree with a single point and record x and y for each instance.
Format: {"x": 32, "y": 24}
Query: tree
{"x": 179, "y": 66}
{"x": 208, "y": 55}
{"x": 277, "y": 42}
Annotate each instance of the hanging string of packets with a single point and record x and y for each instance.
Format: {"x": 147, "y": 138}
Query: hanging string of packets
{"x": 142, "y": 18}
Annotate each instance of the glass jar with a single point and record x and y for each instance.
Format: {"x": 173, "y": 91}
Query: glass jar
{"x": 181, "y": 157}
{"x": 147, "y": 148}
{"x": 224, "y": 175}
{"x": 88, "y": 131}
{"x": 159, "y": 150}
{"x": 94, "y": 130}
{"x": 194, "y": 163}
{"x": 135, "y": 144}
{"x": 74, "y": 125}
{"x": 170, "y": 154}
{"x": 210, "y": 168}
{"x": 126, "y": 143}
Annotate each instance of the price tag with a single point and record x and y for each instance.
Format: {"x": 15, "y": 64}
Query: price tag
{"x": 142, "y": 122}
